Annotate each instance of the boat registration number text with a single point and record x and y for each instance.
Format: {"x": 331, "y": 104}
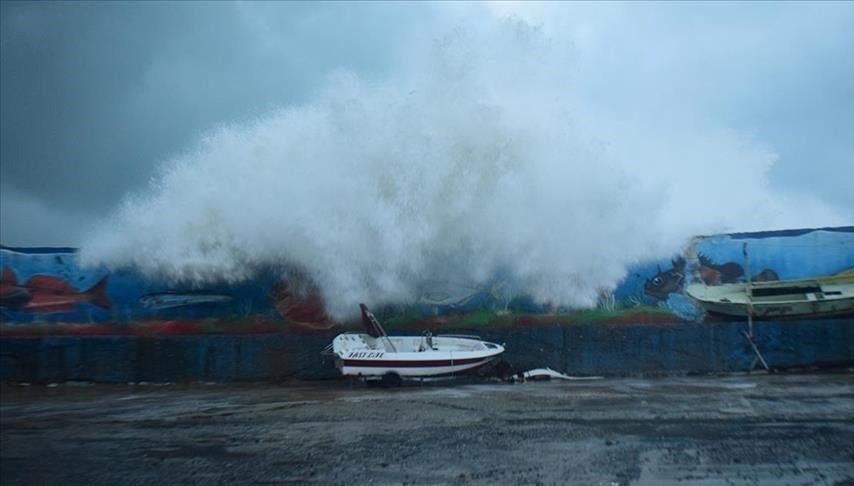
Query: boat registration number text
{"x": 366, "y": 354}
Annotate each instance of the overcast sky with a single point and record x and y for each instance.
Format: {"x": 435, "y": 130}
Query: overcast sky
{"x": 95, "y": 96}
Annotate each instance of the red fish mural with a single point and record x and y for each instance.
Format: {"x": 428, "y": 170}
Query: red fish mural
{"x": 300, "y": 302}
{"x": 44, "y": 293}
{"x": 713, "y": 274}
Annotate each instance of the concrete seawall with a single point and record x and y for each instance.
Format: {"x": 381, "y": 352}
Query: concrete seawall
{"x": 578, "y": 349}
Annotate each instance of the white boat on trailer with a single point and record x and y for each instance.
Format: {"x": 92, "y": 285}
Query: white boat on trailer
{"x": 376, "y": 355}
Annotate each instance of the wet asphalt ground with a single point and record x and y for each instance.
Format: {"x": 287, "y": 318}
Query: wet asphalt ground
{"x": 747, "y": 429}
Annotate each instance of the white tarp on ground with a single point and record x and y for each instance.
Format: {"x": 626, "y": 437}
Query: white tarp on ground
{"x": 538, "y": 374}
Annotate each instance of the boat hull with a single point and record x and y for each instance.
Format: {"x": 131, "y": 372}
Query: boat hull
{"x": 374, "y": 353}
{"x": 412, "y": 367}
{"x": 411, "y": 356}
{"x": 785, "y": 299}
{"x": 789, "y": 310}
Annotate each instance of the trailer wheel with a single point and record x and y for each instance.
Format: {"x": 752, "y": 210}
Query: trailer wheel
{"x": 391, "y": 379}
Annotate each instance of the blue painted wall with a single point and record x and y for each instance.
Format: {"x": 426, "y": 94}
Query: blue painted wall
{"x": 127, "y": 297}
{"x": 646, "y": 325}
{"x": 581, "y": 350}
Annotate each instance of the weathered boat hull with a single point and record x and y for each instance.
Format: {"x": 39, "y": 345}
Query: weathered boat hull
{"x": 831, "y": 296}
{"x": 792, "y": 310}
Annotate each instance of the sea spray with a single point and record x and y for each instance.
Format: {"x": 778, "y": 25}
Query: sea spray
{"x": 473, "y": 160}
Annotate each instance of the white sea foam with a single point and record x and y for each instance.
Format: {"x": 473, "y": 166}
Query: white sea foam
{"x": 474, "y": 158}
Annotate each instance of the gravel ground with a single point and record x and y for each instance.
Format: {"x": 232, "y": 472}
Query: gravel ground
{"x": 750, "y": 429}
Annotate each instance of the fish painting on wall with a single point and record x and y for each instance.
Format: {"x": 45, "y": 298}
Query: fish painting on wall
{"x": 666, "y": 282}
{"x": 299, "y": 301}
{"x": 46, "y": 293}
{"x": 169, "y": 300}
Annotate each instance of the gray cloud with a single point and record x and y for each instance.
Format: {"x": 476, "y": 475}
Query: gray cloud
{"x": 93, "y": 96}
{"x": 778, "y": 73}
{"x": 96, "y": 95}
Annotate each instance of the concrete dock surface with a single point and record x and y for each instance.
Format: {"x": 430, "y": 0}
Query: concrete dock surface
{"x": 736, "y": 429}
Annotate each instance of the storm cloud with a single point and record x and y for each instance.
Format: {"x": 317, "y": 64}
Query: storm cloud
{"x": 96, "y": 96}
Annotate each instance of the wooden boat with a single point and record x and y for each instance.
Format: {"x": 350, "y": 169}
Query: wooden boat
{"x": 814, "y": 297}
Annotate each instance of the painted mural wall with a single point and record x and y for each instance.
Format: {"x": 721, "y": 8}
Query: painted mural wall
{"x": 44, "y": 291}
